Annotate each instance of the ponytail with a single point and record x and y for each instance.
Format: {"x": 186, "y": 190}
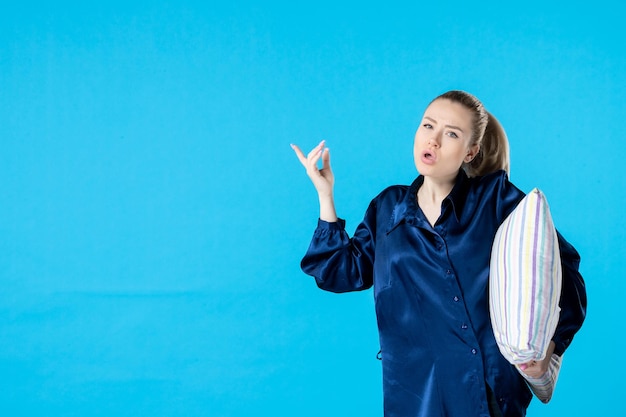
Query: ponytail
{"x": 494, "y": 151}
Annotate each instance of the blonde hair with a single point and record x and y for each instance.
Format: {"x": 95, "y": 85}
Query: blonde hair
{"x": 487, "y": 132}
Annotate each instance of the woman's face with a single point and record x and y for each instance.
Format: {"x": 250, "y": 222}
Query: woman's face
{"x": 442, "y": 141}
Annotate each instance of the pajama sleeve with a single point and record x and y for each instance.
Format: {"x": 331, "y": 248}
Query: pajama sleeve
{"x": 573, "y": 301}
{"x": 338, "y": 262}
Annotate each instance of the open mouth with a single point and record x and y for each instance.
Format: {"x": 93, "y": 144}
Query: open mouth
{"x": 428, "y": 156}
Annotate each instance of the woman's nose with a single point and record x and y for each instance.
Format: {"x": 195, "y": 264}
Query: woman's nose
{"x": 433, "y": 141}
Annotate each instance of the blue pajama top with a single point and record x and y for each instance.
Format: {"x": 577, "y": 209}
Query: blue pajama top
{"x": 430, "y": 289}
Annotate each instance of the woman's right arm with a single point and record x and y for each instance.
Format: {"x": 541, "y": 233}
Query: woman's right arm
{"x": 337, "y": 262}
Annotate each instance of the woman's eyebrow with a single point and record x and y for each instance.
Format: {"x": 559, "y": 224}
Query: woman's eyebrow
{"x": 449, "y": 126}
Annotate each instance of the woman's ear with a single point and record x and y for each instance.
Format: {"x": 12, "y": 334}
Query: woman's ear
{"x": 471, "y": 153}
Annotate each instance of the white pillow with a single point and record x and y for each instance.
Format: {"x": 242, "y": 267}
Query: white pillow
{"x": 525, "y": 281}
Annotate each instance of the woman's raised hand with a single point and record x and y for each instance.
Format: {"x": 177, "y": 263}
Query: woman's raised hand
{"x": 323, "y": 179}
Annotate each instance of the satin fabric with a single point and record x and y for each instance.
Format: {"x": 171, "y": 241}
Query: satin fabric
{"x": 430, "y": 288}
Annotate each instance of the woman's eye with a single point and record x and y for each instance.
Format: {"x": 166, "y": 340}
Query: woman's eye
{"x": 427, "y": 126}
{"x": 453, "y": 135}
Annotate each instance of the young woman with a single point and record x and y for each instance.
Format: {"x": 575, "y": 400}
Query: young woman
{"x": 425, "y": 249}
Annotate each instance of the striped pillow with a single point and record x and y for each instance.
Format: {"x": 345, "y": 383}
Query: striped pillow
{"x": 525, "y": 281}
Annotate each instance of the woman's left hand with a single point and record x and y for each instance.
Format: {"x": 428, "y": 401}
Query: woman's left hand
{"x": 536, "y": 369}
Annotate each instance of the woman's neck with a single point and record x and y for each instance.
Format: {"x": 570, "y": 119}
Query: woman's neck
{"x": 434, "y": 191}
{"x": 430, "y": 195}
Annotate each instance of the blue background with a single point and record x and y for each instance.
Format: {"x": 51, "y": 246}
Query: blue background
{"x": 153, "y": 215}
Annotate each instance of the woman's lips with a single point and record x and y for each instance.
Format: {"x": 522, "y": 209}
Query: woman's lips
{"x": 428, "y": 157}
